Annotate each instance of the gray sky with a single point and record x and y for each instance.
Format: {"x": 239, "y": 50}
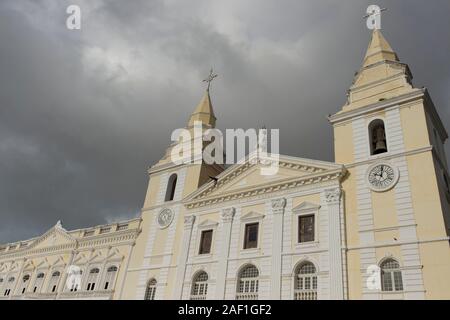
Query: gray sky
{"x": 84, "y": 113}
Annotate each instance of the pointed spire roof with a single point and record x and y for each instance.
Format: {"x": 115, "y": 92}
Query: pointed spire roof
{"x": 381, "y": 77}
{"x": 379, "y": 50}
{"x": 203, "y": 112}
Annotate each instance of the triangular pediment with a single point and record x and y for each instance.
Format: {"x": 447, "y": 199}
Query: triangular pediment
{"x": 247, "y": 178}
{"x": 43, "y": 264}
{"x": 252, "y": 215}
{"x": 56, "y": 236}
{"x": 207, "y": 223}
{"x": 29, "y": 266}
{"x": 59, "y": 262}
{"x": 114, "y": 255}
{"x": 3, "y": 267}
{"x": 14, "y": 267}
{"x": 80, "y": 259}
{"x": 306, "y": 206}
{"x": 96, "y": 257}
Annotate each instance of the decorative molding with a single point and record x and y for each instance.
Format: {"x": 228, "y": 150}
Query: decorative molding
{"x": 165, "y": 218}
{"x": 252, "y": 215}
{"x": 189, "y": 221}
{"x": 267, "y": 188}
{"x": 316, "y": 172}
{"x": 228, "y": 214}
{"x": 117, "y": 237}
{"x": 278, "y": 205}
{"x": 306, "y": 207}
{"x": 332, "y": 196}
{"x": 396, "y": 243}
{"x": 208, "y": 224}
{"x": 352, "y": 114}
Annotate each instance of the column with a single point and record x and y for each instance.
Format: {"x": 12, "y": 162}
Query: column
{"x": 182, "y": 258}
{"x": 332, "y": 198}
{"x": 18, "y": 279}
{"x": 227, "y": 220}
{"x": 278, "y": 206}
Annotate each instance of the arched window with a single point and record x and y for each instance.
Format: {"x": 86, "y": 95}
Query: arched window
{"x": 24, "y": 285}
{"x": 110, "y": 277}
{"x": 248, "y": 283}
{"x": 9, "y": 286}
{"x": 199, "y": 286}
{"x": 73, "y": 278}
{"x": 171, "y": 185}
{"x": 92, "y": 279}
{"x": 38, "y": 282}
{"x": 151, "y": 290}
{"x": 391, "y": 276}
{"x": 305, "y": 282}
{"x": 53, "y": 283}
{"x": 377, "y": 137}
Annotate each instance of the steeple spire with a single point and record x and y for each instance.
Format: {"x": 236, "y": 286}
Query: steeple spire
{"x": 379, "y": 50}
{"x": 381, "y": 77}
{"x": 204, "y": 110}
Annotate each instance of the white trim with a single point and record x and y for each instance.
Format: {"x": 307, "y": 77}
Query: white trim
{"x": 254, "y": 219}
{"x": 306, "y": 209}
{"x": 252, "y": 216}
{"x": 205, "y": 226}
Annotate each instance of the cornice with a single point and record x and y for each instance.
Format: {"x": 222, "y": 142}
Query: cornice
{"x": 233, "y": 173}
{"x": 269, "y": 188}
{"x": 342, "y": 116}
{"x": 388, "y": 156}
{"x": 395, "y": 64}
{"x": 119, "y": 237}
{"x": 170, "y": 166}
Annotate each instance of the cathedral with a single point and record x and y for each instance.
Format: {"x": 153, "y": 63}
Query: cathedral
{"x": 373, "y": 224}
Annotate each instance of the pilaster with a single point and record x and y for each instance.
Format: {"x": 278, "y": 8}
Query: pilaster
{"x": 182, "y": 258}
{"x": 227, "y": 219}
{"x": 278, "y": 206}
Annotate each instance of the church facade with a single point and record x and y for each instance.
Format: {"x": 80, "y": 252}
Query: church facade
{"x": 374, "y": 224}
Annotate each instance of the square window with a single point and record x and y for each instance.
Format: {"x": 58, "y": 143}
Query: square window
{"x": 205, "y": 242}
{"x": 251, "y": 235}
{"x": 305, "y": 228}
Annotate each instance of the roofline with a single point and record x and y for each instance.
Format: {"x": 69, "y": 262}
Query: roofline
{"x": 247, "y": 158}
{"x": 69, "y": 231}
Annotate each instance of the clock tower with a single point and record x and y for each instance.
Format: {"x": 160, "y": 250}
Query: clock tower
{"x": 391, "y": 139}
{"x": 156, "y": 253}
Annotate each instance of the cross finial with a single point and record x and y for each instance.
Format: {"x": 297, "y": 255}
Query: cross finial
{"x": 210, "y": 78}
{"x": 373, "y": 17}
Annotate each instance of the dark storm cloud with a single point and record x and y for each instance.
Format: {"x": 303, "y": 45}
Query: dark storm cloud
{"x": 83, "y": 113}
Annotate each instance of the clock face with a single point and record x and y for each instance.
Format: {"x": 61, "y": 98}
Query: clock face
{"x": 382, "y": 177}
{"x": 165, "y": 217}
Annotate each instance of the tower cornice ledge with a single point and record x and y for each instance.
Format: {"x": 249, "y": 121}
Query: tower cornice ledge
{"x": 408, "y": 97}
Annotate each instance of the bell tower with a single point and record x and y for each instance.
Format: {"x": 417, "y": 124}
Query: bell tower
{"x": 390, "y": 138}
{"x": 155, "y": 254}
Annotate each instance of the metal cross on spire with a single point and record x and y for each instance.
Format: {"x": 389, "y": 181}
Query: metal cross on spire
{"x": 210, "y": 78}
{"x": 373, "y": 17}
